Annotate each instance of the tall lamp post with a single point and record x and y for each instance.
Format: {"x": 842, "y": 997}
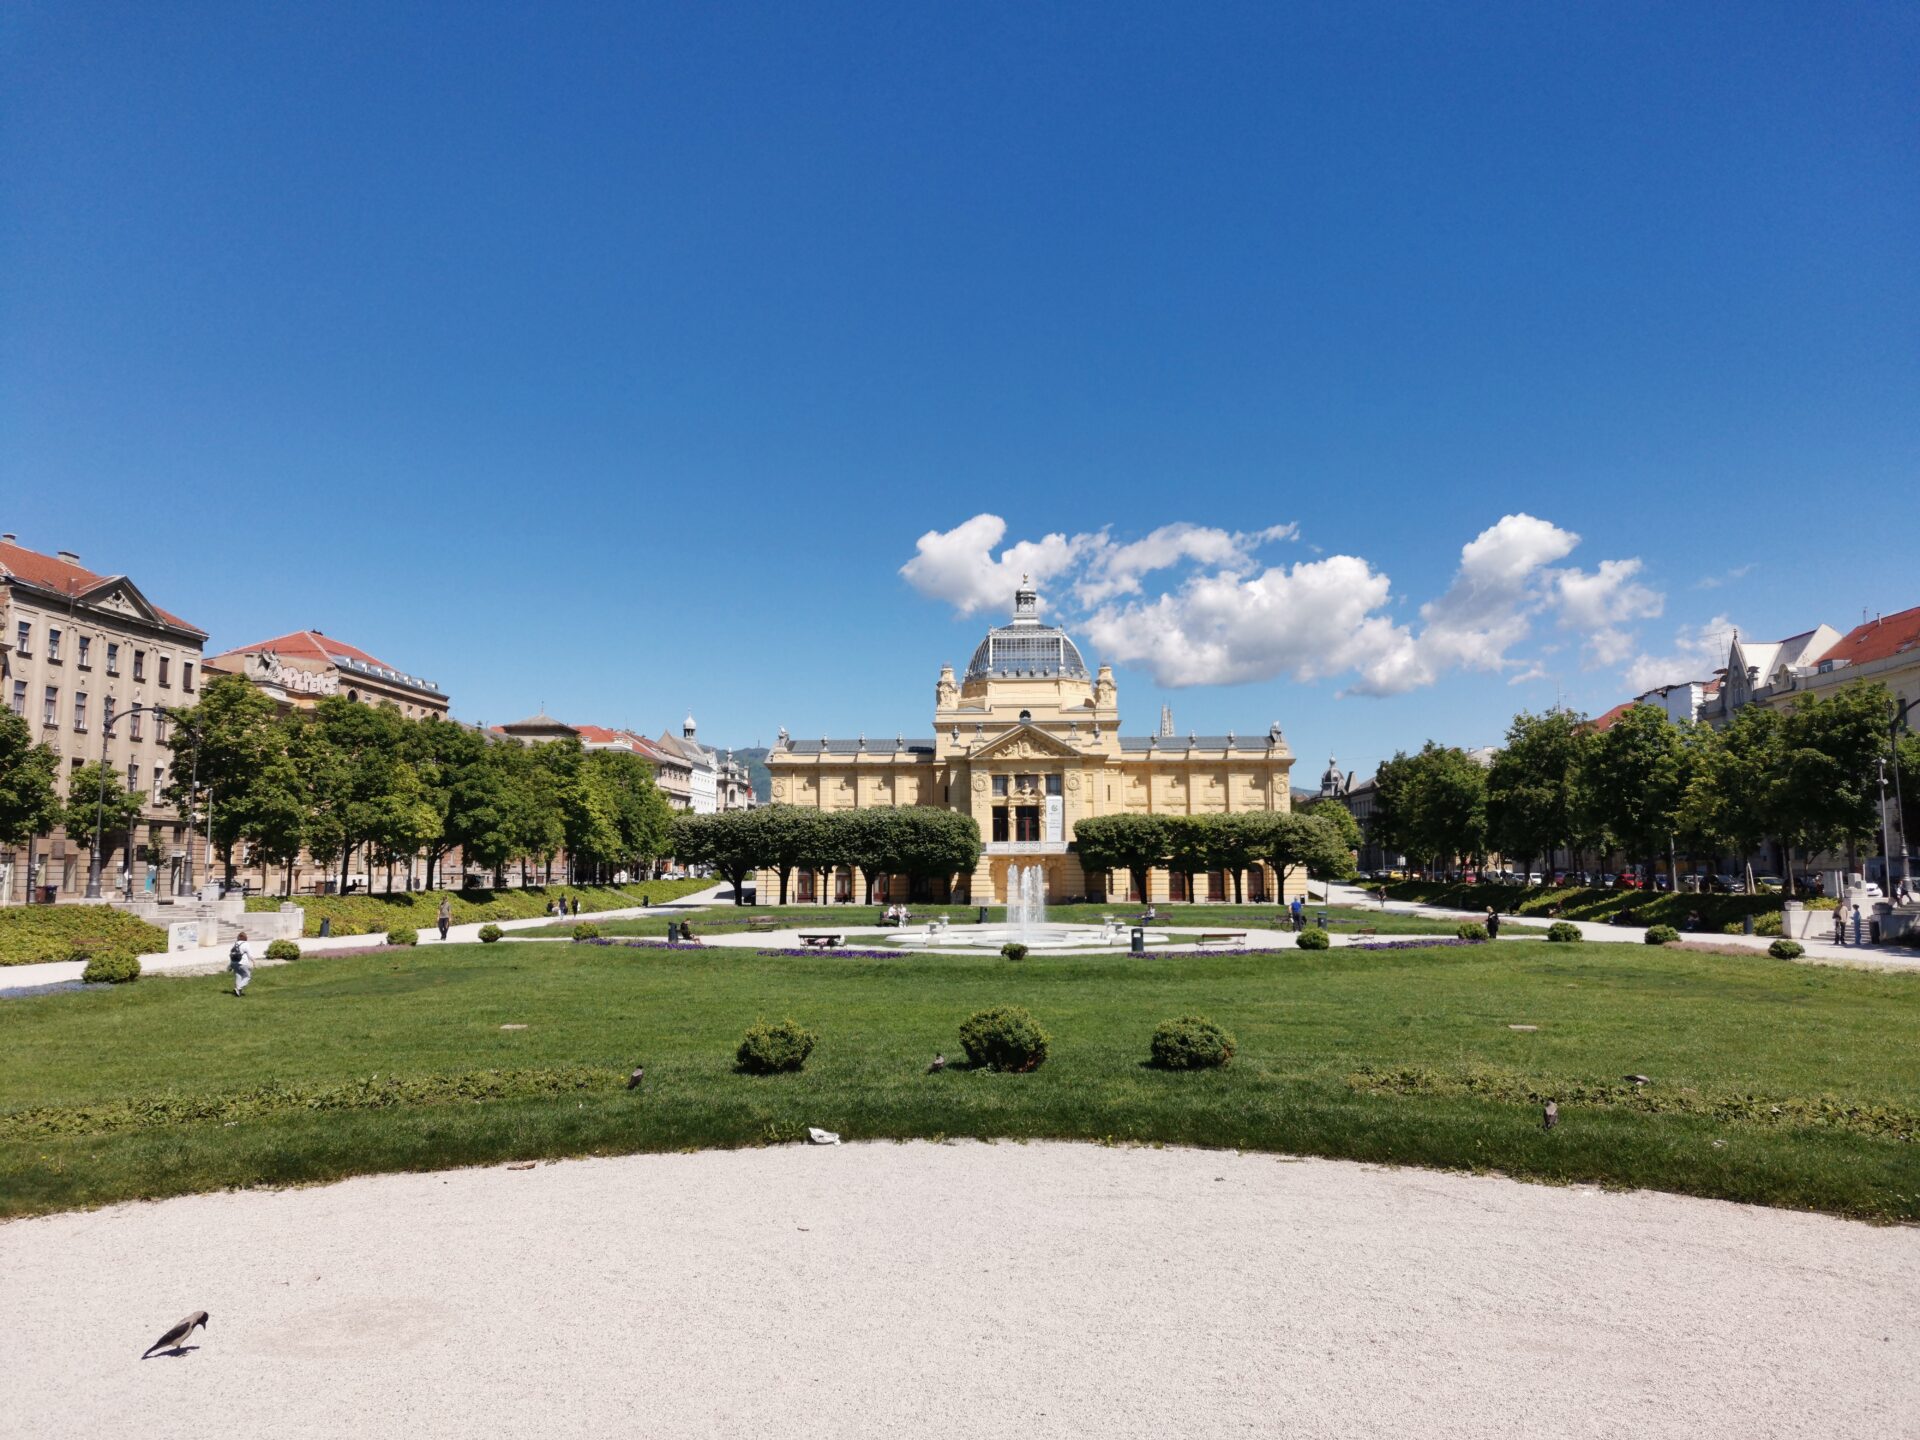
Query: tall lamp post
{"x": 1899, "y": 801}
{"x": 100, "y": 807}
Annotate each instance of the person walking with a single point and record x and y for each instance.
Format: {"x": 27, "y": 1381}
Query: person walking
{"x": 1493, "y": 923}
{"x": 576, "y": 904}
{"x": 240, "y": 962}
{"x": 1299, "y": 910}
{"x": 1841, "y": 914}
{"x": 446, "y": 917}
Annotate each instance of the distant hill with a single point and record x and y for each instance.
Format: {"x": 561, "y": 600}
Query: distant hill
{"x": 755, "y": 760}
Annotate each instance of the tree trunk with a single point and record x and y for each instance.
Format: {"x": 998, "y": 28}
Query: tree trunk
{"x": 1239, "y": 895}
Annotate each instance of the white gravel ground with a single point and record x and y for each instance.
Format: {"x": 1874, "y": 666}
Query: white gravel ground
{"x": 1030, "y": 1290}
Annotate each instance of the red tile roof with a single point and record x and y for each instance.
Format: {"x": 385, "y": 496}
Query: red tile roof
{"x": 1605, "y": 722}
{"x": 307, "y": 645}
{"x": 49, "y": 572}
{"x": 1877, "y": 639}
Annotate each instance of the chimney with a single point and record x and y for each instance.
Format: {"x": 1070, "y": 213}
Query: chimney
{"x": 9, "y": 537}
{"x": 69, "y": 557}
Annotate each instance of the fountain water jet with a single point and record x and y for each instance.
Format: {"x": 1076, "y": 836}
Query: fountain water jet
{"x": 1026, "y": 900}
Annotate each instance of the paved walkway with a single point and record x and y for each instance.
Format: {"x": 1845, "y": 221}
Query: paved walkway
{"x": 1037, "y": 1290}
{"x": 211, "y": 959}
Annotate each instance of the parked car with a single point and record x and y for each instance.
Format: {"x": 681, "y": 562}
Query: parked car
{"x": 1768, "y": 884}
{"x": 1626, "y": 880}
{"x": 1728, "y": 884}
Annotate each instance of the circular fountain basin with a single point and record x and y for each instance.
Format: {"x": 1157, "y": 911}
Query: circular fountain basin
{"x": 1038, "y": 937}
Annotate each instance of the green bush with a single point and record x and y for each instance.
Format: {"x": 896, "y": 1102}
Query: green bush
{"x": 1004, "y": 1038}
{"x": 1767, "y": 924}
{"x": 1470, "y": 930}
{"x": 282, "y": 950}
{"x": 1576, "y": 903}
{"x": 1563, "y": 931}
{"x": 1661, "y": 935}
{"x": 1786, "y": 949}
{"x": 376, "y": 914}
{"x": 1192, "y": 1042}
{"x": 1315, "y": 939}
{"x": 586, "y": 930}
{"x": 490, "y": 933}
{"x": 36, "y": 934}
{"x": 1014, "y": 950}
{"x": 403, "y": 936}
{"x": 771, "y": 1049}
{"x": 111, "y": 968}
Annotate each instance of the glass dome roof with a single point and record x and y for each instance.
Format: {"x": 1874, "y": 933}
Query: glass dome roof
{"x": 1026, "y": 649}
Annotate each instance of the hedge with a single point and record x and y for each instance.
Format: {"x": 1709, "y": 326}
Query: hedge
{"x": 34, "y": 934}
{"x": 1650, "y": 907}
{"x": 377, "y": 914}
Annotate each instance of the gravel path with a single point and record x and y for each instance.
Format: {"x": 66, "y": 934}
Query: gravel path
{"x": 1036, "y": 1290}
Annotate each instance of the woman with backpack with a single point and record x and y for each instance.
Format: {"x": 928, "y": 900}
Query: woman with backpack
{"x": 240, "y": 962}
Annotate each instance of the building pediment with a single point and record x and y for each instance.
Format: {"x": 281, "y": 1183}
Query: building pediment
{"x": 121, "y": 597}
{"x": 1026, "y": 742}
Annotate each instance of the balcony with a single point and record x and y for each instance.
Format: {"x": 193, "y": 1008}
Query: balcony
{"x": 1026, "y": 847}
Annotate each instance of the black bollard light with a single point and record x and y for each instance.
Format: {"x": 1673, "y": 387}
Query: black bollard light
{"x": 983, "y": 916}
{"x": 326, "y": 926}
{"x": 1139, "y": 946}
{"x": 646, "y": 902}
{"x": 1746, "y": 924}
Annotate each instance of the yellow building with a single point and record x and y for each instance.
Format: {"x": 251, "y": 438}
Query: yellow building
{"x": 1029, "y": 744}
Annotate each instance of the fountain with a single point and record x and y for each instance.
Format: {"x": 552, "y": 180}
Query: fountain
{"x": 1026, "y": 901}
{"x": 1026, "y": 923}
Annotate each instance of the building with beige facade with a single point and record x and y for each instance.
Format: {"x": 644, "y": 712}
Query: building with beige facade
{"x": 78, "y": 652}
{"x": 303, "y": 667}
{"x": 1029, "y": 743}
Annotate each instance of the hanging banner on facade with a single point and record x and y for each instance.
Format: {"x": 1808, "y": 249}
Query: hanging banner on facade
{"x": 1056, "y": 819}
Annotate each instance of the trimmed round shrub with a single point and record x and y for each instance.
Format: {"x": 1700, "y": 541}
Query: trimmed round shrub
{"x": 586, "y": 930}
{"x": 1014, "y": 950}
{"x": 1471, "y": 930}
{"x": 282, "y": 950}
{"x": 1004, "y": 1038}
{"x": 1192, "y": 1042}
{"x": 770, "y": 1049}
{"x": 111, "y": 968}
{"x": 403, "y": 937}
{"x": 1786, "y": 949}
{"x": 490, "y": 933}
{"x": 1661, "y": 935}
{"x": 1563, "y": 931}
{"x": 1766, "y": 923}
{"x": 1315, "y": 939}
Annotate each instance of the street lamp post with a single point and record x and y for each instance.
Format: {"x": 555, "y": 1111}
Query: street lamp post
{"x": 1899, "y": 801}
{"x": 100, "y": 806}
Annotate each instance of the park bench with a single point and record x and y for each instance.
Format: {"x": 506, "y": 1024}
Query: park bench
{"x": 1365, "y": 932}
{"x": 1224, "y": 937}
{"x": 828, "y": 940}
{"x": 762, "y": 922}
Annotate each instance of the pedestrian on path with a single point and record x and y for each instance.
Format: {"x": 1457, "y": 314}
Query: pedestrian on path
{"x": 1493, "y": 923}
{"x": 1299, "y": 914}
{"x": 446, "y": 916}
{"x": 1841, "y": 914}
{"x": 576, "y": 904}
{"x": 240, "y": 962}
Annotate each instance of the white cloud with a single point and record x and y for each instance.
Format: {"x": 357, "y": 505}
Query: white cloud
{"x": 1698, "y": 651}
{"x": 1714, "y": 582}
{"x": 1116, "y": 569}
{"x": 959, "y": 567}
{"x": 1601, "y": 602}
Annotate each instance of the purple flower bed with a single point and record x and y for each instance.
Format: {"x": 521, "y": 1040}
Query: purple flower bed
{"x": 1436, "y": 942}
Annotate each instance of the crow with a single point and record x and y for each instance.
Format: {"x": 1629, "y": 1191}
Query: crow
{"x": 939, "y": 1064}
{"x": 639, "y": 1074}
{"x": 1550, "y": 1115}
{"x": 176, "y": 1338}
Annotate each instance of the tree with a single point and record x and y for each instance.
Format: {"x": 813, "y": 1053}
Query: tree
{"x": 795, "y": 839}
{"x": 1133, "y": 843}
{"x": 445, "y": 754}
{"x": 1336, "y": 814}
{"x": 640, "y": 819}
{"x": 733, "y": 842}
{"x": 1830, "y": 782}
{"x": 937, "y": 844}
{"x": 875, "y": 839}
{"x": 1239, "y": 841}
{"x": 278, "y": 810}
{"x": 98, "y": 802}
{"x": 29, "y": 801}
{"x": 233, "y": 729}
{"x": 1189, "y": 847}
{"x": 1309, "y": 842}
{"x": 1533, "y": 786}
{"x": 1631, "y": 782}
{"x": 483, "y": 805}
{"x": 356, "y": 770}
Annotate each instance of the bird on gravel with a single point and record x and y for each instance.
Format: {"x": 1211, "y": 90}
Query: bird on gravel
{"x": 639, "y": 1074}
{"x": 176, "y": 1338}
{"x": 1550, "y": 1115}
{"x": 939, "y": 1064}
{"x": 1637, "y": 1080}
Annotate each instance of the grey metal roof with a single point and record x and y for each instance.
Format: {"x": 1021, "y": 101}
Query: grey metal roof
{"x": 855, "y": 747}
{"x": 1145, "y": 744}
{"x": 1024, "y": 650}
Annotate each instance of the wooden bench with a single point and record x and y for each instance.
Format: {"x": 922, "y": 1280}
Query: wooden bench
{"x": 1365, "y": 932}
{"x": 830, "y": 940}
{"x": 1224, "y": 937}
{"x": 762, "y": 922}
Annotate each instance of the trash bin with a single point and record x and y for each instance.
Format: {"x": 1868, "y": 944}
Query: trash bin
{"x": 983, "y": 916}
{"x": 1321, "y": 919}
{"x": 646, "y": 902}
{"x": 673, "y": 932}
{"x": 1139, "y": 946}
{"x": 47, "y": 893}
{"x": 1746, "y": 924}
{"x": 326, "y": 926}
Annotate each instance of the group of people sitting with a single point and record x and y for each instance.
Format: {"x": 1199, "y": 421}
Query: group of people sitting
{"x": 896, "y": 915}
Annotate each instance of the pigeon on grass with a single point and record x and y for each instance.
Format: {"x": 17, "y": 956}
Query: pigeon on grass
{"x": 939, "y": 1064}
{"x": 176, "y": 1338}
{"x": 1637, "y": 1080}
{"x": 639, "y": 1074}
{"x": 817, "y": 1136}
{"x": 1549, "y": 1115}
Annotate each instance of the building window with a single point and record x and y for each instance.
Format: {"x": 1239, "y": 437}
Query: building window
{"x": 51, "y": 715}
{"x": 160, "y": 727}
{"x": 186, "y": 676}
{"x": 166, "y": 662}
{"x": 20, "y": 697}
{"x": 1000, "y": 787}
{"x": 139, "y": 665}
{"x": 133, "y": 725}
{"x": 133, "y": 777}
{"x": 1000, "y": 823}
{"x": 85, "y": 658}
{"x": 160, "y": 782}
{"x": 53, "y": 644}
{"x": 1026, "y": 822}
{"x": 1053, "y": 784}
{"x": 23, "y": 639}
{"x": 113, "y": 658}
{"x": 79, "y": 710}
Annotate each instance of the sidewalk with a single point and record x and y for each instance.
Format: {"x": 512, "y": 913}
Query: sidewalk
{"x": 1820, "y": 951}
{"x": 212, "y": 959}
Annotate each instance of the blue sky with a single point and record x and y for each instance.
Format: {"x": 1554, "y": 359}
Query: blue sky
{"x": 618, "y": 359}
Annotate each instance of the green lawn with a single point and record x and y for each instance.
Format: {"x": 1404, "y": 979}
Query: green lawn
{"x": 376, "y": 914}
{"x": 398, "y": 1061}
{"x": 727, "y": 919}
